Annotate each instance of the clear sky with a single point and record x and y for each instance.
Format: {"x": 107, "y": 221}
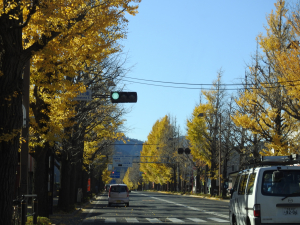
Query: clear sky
{"x": 186, "y": 42}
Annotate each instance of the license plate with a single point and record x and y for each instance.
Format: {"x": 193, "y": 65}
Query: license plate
{"x": 290, "y": 211}
{"x": 118, "y": 201}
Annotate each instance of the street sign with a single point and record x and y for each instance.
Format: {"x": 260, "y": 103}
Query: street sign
{"x": 109, "y": 167}
{"x": 122, "y": 161}
{"x": 86, "y": 96}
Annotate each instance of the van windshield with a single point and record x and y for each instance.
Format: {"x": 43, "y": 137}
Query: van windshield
{"x": 118, "y": 189}
{"x": 281, "y": 183}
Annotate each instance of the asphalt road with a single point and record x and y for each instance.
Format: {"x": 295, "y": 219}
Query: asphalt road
{"x": 149, "y": 208}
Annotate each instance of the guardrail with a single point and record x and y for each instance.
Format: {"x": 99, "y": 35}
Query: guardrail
{"x": 20, "y": 210}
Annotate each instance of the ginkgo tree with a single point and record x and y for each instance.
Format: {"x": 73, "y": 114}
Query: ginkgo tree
{"x": 263, "y": 102}
{"x": 132, "y": 176}
{"x": 152, "y": 154}
{"x": 95, "y": 126}
{"x": 204, "y": 129}
{"x": 286, "y": 61}
{"x": 62, "y": 35}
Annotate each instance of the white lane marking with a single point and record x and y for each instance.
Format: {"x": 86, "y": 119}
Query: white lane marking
{"x": 218, "y": 220}
{"x": 215, "y": 214}
{"x": 110, "y": 220}
{"x": 153, "y": 220}
{"x": 131, "y": 220}
{"x": 175, "y": 220}
{"x": 192, "y": 208}
{"x": 88, "y": 218}
{"x": 197, "y": 220}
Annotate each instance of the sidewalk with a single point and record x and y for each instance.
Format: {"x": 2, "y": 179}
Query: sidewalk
{"x": 72, "y": 218}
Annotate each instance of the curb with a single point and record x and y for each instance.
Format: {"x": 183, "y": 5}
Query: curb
{"x": 194, "y": 196}
{"x": 60, "y": 218}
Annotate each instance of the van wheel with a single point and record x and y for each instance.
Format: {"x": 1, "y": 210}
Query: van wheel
{"x": 234, "y": 220}
{"x": 127, "y": 205}
{"x": 248, "y": 221}
{"x": 109, "y": 204}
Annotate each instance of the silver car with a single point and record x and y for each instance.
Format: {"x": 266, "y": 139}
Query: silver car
{"x": 118, "y": 194}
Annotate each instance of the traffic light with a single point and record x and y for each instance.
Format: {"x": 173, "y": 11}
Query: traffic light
{"x": 123, "y": 97}
{"x": 186, "y": 151}
{"x": 180, "y": 151}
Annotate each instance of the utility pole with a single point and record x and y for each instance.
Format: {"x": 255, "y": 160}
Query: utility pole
{"x": 220, "y": 156}
{"x": 25, "y": 131}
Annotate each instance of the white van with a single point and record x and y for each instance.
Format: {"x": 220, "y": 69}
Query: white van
{"x": 268, "y": 193}
{"x": 118, "y": 194}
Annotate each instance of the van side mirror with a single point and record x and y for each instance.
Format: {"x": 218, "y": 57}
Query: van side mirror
{"x": 231, "y": 191}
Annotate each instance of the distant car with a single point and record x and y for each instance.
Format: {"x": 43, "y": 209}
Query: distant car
{"x": 118, "y": 194}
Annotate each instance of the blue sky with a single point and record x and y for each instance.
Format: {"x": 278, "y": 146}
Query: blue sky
{"x": 186, "y": 42}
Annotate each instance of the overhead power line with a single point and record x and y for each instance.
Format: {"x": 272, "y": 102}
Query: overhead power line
{"x": 201, "y": 88}
{"x": 169, "y": 82}
{"x": 159, "y": 85}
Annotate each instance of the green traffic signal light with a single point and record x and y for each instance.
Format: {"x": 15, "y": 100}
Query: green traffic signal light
{"x": 123, "y": 97}
{"x": 115, "y": 95}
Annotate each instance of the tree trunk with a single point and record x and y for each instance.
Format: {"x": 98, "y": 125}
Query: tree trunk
{"x": 198, "y": 182}
{"x": 11, "y": 87}
{"x": 8, "y": 165}
{"x": 79, "y": 175}
{"x": 85, "y": 177}
{"x": 213, "y": 181}
{"x": 79, "y": 162}
{"x": 64, "y": 193}
{"x": 205, "y": 179}
{"x": 224, "y": 192}
{"x": 73, "y": 191}
{"x": 174, "y": 178}
{"x": 40, "y": 179}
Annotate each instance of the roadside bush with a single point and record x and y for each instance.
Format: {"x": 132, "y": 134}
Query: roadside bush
{"x": 40, "y": 221}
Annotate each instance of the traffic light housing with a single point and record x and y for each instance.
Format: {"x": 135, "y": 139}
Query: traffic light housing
{"x": 186, "y": 151}
{"x": 180, "y": 150}
{"x": 123, "y": 97}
